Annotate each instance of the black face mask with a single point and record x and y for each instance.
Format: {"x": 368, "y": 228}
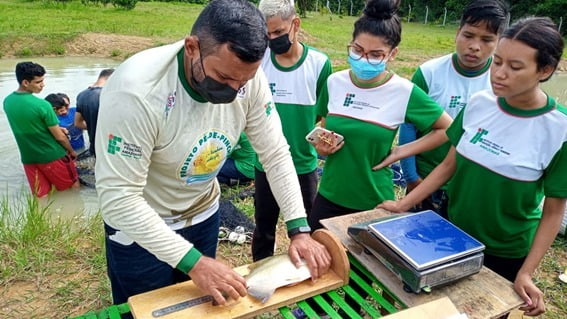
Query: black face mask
{"x": 211, "y": 89}
{"x": 280, "y": 44}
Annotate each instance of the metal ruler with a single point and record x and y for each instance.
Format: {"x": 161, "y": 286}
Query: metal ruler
{"x": 180, "y": 306}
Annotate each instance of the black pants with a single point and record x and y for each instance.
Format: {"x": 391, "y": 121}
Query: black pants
{"x": 324, "y": 208}
{"x": 267, "y": 211}
{"x": 505, "y": 267}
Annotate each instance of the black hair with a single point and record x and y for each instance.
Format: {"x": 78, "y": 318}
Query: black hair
{"x": 541, "y": 34}
{"x": 380, "y": 18}
{"x": 64, "y": 96}
{"x": 493, "y": 12}
{"x": 106, "y": 73}
{"x": 236, "y": 22}
{"x": 56, "y": 100}
{"x": 28, "y": 71}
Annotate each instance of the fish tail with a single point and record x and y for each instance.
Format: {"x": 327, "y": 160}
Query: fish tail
{"x": 261, "y": 293}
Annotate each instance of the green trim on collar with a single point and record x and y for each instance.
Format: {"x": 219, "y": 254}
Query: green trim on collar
{"x": 551, "y": 105}
{"x": 296, "y": 223}
{"x": 370, "y": 85}
{"x": 183, "y": 78}
{"x": 470, "y": 73}
{"x": 189, "y": 260}
{"x": 293, "y": 67}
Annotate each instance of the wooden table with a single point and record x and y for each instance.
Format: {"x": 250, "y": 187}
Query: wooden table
{"x": 484, "y": 295}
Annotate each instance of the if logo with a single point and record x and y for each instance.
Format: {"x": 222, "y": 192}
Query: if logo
{"x": 348, "y": 99}
{"x": 454, "y": 101}
{"x": 272, "y": 88}
{"x": 269, "y": 106}
{"x": 478, "y": 136}
{"x": 114, "y": 144}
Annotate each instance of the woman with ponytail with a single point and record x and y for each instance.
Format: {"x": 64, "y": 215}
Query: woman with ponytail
{"x": 367, "y": 104}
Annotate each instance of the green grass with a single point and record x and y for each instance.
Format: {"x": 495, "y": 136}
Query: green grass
{"x": 48, "y": 266}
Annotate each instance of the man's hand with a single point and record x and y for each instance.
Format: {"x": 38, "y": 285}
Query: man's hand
{"x": 533, "y": 297}
{"x": 217, "y": 279}
{"x": 315, "y": 254}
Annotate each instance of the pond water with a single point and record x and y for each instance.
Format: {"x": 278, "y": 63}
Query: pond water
{"x": 68, "y": 75}
{"x": 71, "y": 75}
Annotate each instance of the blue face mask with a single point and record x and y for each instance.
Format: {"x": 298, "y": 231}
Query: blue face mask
{"x": 364, "y": 70}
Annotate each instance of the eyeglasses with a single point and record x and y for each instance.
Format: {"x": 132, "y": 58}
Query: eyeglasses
{"x": 373, "y": 57}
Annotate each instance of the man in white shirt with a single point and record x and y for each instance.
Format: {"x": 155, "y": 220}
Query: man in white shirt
{"x": 168, "y": 119}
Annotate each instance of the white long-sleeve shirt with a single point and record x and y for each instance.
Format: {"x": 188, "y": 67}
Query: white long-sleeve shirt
{"x": 159, "y": 146}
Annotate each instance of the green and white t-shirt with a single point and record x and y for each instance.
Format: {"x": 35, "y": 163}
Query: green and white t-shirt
{"x": 451, "y": 86}
{"x": 297, "y": 90}
{"x": 368, "y": 118}
{"x": 507, "y": 160}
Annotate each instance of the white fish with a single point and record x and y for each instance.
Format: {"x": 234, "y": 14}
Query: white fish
{"x": 273, "y": 272}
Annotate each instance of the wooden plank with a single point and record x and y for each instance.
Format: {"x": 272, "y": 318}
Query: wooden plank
{"x": 484, "y": 295}
{"x": 441, "y": 308}
{"x": 143, "y": 305}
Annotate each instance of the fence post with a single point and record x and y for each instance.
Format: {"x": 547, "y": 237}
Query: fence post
{"x": 426, "y": 13}
{"x": 350, "y": 7}
{"x": 409, "y": 14}
{"x": 444, "y": 15}
{"x": 560, "y": 24}
{"x": 339, "y": 9}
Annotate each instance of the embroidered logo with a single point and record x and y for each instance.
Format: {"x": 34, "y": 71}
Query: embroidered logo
{"x": 478, "y": 136}
{"x": 272, "y": 88}
{"x": 169, "y": 103}
{"x": 116, "y": 146}
{"x": 348, "y": 99}
{"x": 113, "y": 144}
{"x": 269, "y": 107}
{"x": 454, "y": 102}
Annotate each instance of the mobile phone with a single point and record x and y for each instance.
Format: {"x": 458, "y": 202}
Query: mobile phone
{"x": 315, "y": 135}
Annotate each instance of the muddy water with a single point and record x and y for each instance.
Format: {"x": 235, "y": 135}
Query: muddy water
{"x": 72, "y": 75}
{"x": 69, "y": 75}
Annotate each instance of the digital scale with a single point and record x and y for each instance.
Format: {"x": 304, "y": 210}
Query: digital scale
{"x": 423, "y": 249}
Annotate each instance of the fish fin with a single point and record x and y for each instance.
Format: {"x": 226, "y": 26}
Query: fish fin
{"x": 261, "y": 293}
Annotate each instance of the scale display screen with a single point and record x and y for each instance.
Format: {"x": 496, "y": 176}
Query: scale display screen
{"x": 425, "y": 239}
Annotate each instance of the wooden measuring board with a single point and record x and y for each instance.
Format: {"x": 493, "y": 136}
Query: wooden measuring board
{"x": 143, "y": 305}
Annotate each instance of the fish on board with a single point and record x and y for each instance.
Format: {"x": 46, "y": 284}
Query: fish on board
{"x": 273, "y": 272}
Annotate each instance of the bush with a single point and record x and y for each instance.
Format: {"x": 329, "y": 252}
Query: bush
{"x": 125, "y": 4}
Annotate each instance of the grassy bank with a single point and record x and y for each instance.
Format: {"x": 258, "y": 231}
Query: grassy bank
{"x": 48, "y": 28}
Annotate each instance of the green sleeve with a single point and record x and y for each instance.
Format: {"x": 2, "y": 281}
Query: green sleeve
{"x": 189, "y": 260}
{"x": 422, "y": 111}
{"x": 322, "y": 93}
{"x": 455, "y": 131}
{"x": 419, "y": 80}
{"x": 554, "y": 182}
{"x": 322, "y": 108}
{"x": 49, "y": 115}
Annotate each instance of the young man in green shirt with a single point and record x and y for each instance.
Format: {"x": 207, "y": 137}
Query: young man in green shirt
{"x": 45, "y": 151}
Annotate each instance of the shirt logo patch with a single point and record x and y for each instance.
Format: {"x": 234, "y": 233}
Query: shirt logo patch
{"x": 478, "y": 136}
{"x": 205, "y": 158}
{"x": 116, "y": 146}
{"x": 170, "y": 103}
{"x": 487, "y": 145}
{"x": 272, "y": 88}
{"x": 348, "y": 99}
{"x": 455, "y": 102}
{"x": 269, "y": 107}
{"x": 241, "y": 92}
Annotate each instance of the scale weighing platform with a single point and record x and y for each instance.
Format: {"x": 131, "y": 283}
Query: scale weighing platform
{"x": 423, "y": 249}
